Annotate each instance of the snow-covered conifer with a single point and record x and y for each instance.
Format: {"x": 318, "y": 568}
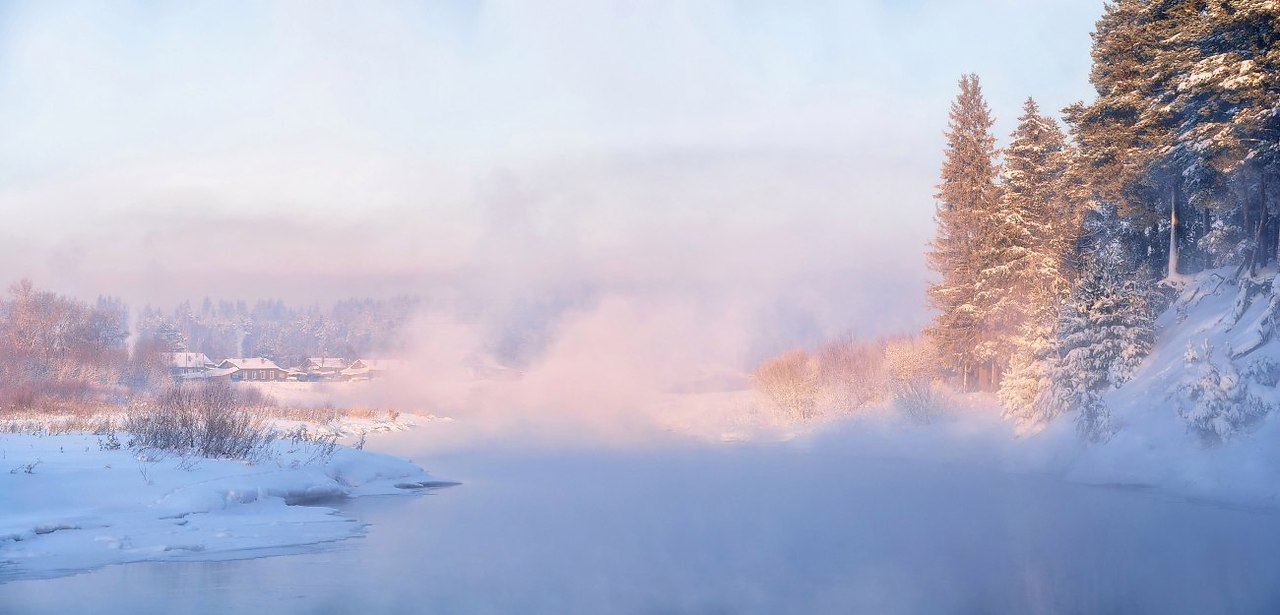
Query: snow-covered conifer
{"x": 1213, "y": 397}
{"x": 1105, "y": 330}
{"x": 966, "y": 196}
{"x": 1032, "y": 230}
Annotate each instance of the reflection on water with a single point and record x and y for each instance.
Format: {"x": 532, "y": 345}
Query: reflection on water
{"x": 729, "y": 529}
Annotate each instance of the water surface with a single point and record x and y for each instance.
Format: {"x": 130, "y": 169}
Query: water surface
{"x": 727, "y": 528}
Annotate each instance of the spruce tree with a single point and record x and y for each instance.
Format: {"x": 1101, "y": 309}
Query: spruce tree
{"x": 1106, "y": 329}
{"x": 966, "y": 196}
{"x": 1036, "y": 221}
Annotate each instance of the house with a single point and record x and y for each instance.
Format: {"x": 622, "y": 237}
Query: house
{"x": 324, "y": 368}
{"x": 365, "y": 369}
{"x": 186, "y": 365}
{"x": 255, "y": 369}
{"x": 224, "y": 373}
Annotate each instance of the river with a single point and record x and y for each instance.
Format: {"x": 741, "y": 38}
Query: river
{"x": 682, "y": 527}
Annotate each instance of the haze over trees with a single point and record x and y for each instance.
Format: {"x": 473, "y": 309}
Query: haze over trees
{"x": 280, "y": 332}
{"x": 58, "y": 351}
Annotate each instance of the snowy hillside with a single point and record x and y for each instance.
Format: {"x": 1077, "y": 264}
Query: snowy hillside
{"x": 1195, "y": 417}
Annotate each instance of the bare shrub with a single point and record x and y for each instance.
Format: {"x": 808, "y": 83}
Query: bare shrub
{"x": 253, "y": 397}
{"x": 210, "y": 419}
{"x": 319, "y": 444}
{"x": 911, "y": 367}
{"x": 850, "y": 374}
{"x": 790, "y": 382}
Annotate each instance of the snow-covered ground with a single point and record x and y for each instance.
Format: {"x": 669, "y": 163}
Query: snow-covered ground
{"x": 1154, "y": 445}
{"x": 73, "y": 502}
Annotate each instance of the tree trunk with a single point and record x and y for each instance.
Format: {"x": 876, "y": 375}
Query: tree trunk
{"x": 1262, "y": 210}
{"x": 1257, "y": 249}
{"x": 1173, "y": 231}
{"x": 1245, "y": 223}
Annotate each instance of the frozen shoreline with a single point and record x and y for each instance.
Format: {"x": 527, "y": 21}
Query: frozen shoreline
{"x": 72, "y": 504}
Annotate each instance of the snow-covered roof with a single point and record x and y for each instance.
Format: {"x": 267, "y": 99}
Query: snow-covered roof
{"x": 326, "y": 363}
{"x": 377, "y": 365}
{"x": 188, "y": 359}
{"x": 211, "y": 373}
{"x": 249, "y": 363}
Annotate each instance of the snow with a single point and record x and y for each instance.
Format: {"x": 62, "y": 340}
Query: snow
{"x": 1153, "y": 445}
{"x": 71, "y": 504}
{"x": 250, "y": 363}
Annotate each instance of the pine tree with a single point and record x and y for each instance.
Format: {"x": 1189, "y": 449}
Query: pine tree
{"x": 1113, "y": 148}
{"x": 1125, "y": 133}
{"x": 1184, "y": 133}
{"x": 1224, "y": 112}
{"x": 966, "y": 196}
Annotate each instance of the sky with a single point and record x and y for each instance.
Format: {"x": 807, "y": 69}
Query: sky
{"x": 770, "y": 161}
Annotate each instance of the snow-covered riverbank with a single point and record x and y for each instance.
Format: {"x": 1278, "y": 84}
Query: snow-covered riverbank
{"x": 73, "y": 502}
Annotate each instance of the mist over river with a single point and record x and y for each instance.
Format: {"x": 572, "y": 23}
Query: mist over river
{"x": 678, "y": 526}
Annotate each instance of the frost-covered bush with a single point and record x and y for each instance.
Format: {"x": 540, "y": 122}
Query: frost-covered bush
{"x": 210, "y": 419}
{"x": 790, "y": 382}
{"x": 1214, "y": 399}
{"x": 911, "y": 365}
{"x": 850, "y": 374}
{"x": 1028, "y": 377}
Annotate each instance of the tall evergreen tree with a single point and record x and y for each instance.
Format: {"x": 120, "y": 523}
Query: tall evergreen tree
{"x": 1124, "y": 133}
{"x": 1113, "y": 148}
{"x": 1038, "y": 221}
{"x": 1224, "y": 109}
{"x": 1183, "y": 133}
{"x": 966, "y": 196}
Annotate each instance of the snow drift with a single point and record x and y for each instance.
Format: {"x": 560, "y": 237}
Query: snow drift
{"x": 71, "y": 504}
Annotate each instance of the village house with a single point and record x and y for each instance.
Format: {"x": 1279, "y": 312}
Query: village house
{"x": 365, "y": 369}
{"x": 255, "y": 369}
{"x": 187, "y": 365}
{"x": 324, "y": 368}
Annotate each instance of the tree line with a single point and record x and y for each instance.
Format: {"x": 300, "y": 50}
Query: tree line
{"x": 1055, "y": 253}
{"x": 1052, "y": 253}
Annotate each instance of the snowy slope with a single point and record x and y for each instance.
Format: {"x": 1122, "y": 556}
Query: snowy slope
{"x": 1154, "y": 445}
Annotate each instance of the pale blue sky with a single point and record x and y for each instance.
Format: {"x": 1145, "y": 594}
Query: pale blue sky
{"x": 787, "y": 139}
{"x": 111, "y": 81}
